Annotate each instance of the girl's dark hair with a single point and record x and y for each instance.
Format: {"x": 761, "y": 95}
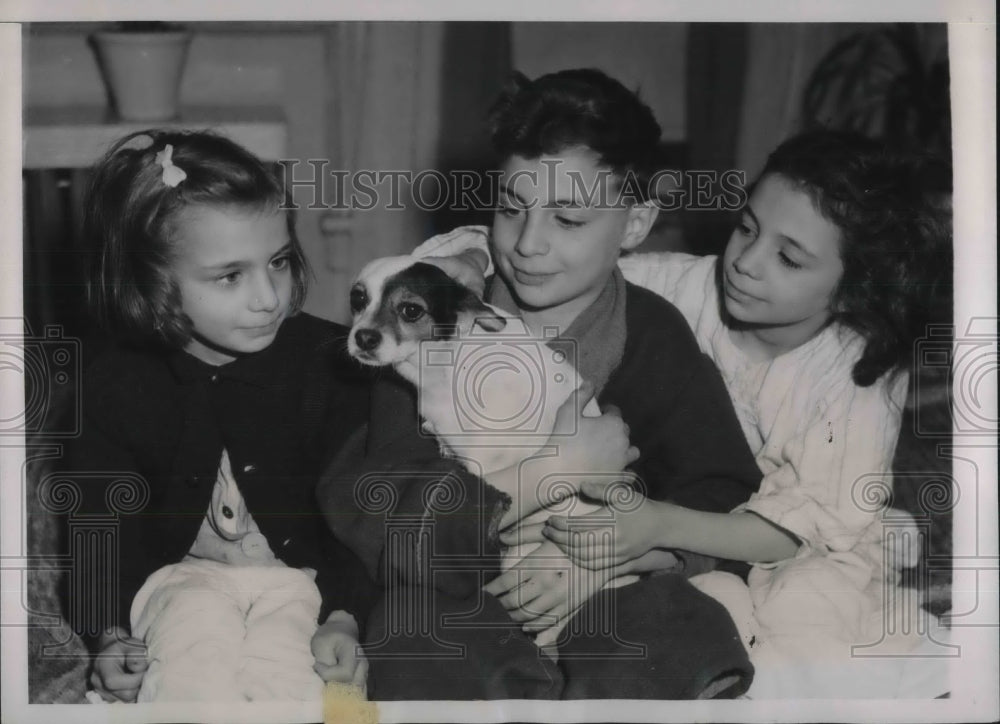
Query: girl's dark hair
{"x": 895, "y": 239}
{"x": 130, "y": 221}
{"x": 578, "y": 108}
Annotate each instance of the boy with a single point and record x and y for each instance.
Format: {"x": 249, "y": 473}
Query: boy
{"x": 576, "y": 153}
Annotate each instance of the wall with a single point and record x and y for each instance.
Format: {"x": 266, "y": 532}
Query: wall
{"x": 647, "y": 56}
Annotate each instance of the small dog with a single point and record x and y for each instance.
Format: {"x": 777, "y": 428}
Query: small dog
{"x": 487, "y": 389}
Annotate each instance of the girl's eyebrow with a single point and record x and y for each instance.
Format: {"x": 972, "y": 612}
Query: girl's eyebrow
{"x": 243, "y": 264}
{"x": 225, "y": 265}
{"x": 749, "y": 212}
{"x": 799, "y": 246}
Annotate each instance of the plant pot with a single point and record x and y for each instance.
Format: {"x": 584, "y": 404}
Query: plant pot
{"x": 142, "y": 71}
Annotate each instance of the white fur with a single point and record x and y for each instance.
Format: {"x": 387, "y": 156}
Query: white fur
{"x": 473, "y": 405}
{"x": 374, "y": 275}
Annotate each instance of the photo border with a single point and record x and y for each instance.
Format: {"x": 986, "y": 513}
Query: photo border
{"x": 972, "y": 40}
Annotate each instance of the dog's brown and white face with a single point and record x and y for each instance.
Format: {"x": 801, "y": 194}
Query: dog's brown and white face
{"x": 397, "y": 303}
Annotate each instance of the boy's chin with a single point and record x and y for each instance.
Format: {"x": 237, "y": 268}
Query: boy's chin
{"x": 533, "y": 298}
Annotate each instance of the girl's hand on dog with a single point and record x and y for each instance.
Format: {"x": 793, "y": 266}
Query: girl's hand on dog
{"x": 525, "y": 534}
{"x": 338, "y": 655}
{"x": 543, "y": 588}
{"x": 655, "y": 560}
{"x": 594, "y": 542}
{"x": 119, "y": 667}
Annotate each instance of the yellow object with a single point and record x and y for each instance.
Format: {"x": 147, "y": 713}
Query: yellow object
{"x": 347, "y": 704}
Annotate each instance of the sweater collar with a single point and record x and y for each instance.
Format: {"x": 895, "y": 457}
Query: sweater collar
{"x": 597, "y": 336}
{"x": 257, "y": 368}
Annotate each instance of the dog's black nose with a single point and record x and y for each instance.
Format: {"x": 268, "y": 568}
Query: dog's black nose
{"x": 368, "y": 339}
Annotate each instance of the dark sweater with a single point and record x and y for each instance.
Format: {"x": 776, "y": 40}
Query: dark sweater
{"x": 162, "y": 421}
{"x": 693, "y": 452}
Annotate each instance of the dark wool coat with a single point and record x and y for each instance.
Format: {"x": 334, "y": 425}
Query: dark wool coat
{"x": 160, "y": 423}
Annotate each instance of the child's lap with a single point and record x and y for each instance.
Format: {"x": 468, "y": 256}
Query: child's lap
{"x": 659, "y": 638}
{"x": 831, "y": 594}
{"x": 221, "y": 632}
{"x": 207, "y": 608}
{"x": 668, "y": 640}
{"x": 215, "y": 588}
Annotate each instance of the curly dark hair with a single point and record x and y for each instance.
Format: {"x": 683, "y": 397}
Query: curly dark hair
{"x": 895, "y": 239}
{"x": 581, "y": 107}
{"x": 129, "y": 224}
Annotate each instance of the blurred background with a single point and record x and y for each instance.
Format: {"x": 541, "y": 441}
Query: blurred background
{"x": 414, "y": 95}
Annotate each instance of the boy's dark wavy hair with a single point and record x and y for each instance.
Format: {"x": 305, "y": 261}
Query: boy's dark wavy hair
{"x": 130, "y": 221}
{"x": 578, "y": 108}
{"x": 895, "y": 239}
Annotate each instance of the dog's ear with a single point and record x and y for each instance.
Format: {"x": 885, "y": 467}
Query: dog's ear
{"x": 483, "y": 315}
{"x": 447, "y": 300}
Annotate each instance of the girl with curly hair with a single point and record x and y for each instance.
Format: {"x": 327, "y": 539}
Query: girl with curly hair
{"x": 811, "y": 315}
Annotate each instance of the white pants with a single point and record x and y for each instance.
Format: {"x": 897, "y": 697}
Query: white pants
{"x": 820, "y": 627}
{"x": 218, "y": 632}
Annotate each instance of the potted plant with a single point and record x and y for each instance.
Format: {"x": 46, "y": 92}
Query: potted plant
{"x": 142, "y": 63}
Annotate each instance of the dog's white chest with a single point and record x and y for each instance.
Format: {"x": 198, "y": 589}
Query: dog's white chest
{"x": 492, "y": 398}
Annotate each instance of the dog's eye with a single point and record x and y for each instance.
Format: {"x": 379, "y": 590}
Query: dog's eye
{"x": 410, "y": 312}
{"x": 359, "y": 299}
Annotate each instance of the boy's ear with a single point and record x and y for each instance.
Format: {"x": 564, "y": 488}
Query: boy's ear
{"x": 640, "y": 220}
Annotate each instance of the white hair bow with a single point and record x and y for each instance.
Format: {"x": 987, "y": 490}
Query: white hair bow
{"x": 172, "y": 175}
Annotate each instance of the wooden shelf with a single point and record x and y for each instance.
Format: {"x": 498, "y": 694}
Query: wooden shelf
{"x": 77, "y": 136}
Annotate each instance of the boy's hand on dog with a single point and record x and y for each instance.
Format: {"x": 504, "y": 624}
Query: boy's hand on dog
{"x": 599, "y": 444}
{"x": 119, "y": 667}
{"x": 338, "y": 656}
{"x": 543, "y": 588}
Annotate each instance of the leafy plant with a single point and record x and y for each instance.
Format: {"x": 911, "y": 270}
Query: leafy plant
{"x": 891, "y": 82}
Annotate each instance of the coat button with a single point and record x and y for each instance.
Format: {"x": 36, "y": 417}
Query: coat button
{"x": 214, "y": 379}
{"x": 192, "y": 481}
{"x": 250, "y": 468}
